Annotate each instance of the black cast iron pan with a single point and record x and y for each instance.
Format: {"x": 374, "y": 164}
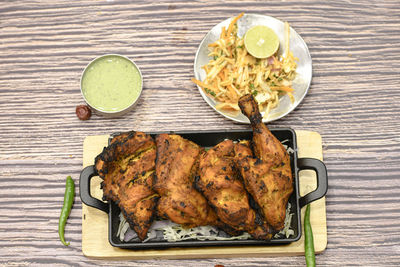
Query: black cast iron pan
{"x": 209, "y": 139}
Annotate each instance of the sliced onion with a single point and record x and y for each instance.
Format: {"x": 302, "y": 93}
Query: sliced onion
{"x": 129, "y": 234}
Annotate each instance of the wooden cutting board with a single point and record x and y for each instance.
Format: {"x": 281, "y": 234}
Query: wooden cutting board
{"x": 95, "y": 222}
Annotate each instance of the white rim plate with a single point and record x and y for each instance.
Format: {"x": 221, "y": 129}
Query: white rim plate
{"x": 297, "y": 45}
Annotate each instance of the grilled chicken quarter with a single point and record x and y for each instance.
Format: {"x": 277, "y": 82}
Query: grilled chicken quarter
{"x": 268, "y": 175}
{"x": 127, "y": 166}
{"x": 220, "y": 182}
{"x": 176, "y": 168}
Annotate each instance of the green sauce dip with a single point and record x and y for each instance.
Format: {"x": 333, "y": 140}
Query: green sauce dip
{"x": 111, "y": 83}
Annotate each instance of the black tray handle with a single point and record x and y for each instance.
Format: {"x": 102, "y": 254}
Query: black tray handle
{"x": 322, "y": 179}
{"x": 84, "y": 189}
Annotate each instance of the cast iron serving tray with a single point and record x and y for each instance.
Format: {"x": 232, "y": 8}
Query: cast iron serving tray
{"x": 209, "y": 139}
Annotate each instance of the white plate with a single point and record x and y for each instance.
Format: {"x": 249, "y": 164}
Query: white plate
{"x": 297, "y": 45}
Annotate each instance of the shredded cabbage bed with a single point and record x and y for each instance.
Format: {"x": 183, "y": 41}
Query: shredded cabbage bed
{"x": 172, "y": 232}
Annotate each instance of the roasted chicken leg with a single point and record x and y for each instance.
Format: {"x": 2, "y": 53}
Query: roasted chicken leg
{"x": 220, "y": 182}
{"x": 268, "y": 175}
{"x": 127, "y": 166}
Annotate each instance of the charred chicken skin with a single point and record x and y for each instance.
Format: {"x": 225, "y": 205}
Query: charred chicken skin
{"x": 267, "y": 176}
{"x": 220, "y": 182}
{"x": 176, "y": 168}
{"x": 127, "y": 166}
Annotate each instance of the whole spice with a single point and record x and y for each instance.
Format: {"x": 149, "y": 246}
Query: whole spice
{"x": 66, "y": 209}
{"x": 83, "y": 112}
{"x": 309, "y": 239}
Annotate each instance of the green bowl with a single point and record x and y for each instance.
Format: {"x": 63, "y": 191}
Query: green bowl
{"x": 111, "y": 85}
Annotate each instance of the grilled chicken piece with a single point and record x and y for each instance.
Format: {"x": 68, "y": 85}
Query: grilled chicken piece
{"x": 220, "y": 183}
{"x": 268, "y": 176}
{"x": 127, "y": 166}
{"x": 176, "y": 167}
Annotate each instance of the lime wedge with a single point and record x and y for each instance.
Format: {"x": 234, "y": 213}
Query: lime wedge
{"x": 261, "y": 41}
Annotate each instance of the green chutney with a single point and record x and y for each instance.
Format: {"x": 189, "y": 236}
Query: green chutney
{"x": 111, "y": 83}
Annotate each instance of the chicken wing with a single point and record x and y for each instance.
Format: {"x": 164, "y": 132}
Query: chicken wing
{"x": 127, "y": 166}
{"x": 176, "y": 168}
{"x": 220, "y": 183}
{"x": 268, "y": 176}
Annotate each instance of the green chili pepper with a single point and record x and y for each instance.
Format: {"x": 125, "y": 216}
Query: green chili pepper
{"x": 66, "y": 209}
{"x": 309, "y": 240}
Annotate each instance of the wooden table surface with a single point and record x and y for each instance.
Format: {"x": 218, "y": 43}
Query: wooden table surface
{"x": 353, "y": 102}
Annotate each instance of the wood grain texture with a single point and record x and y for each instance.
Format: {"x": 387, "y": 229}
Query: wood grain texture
{"x": 353, "y": 102}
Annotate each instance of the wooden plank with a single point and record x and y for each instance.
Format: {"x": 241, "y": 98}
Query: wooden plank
{"x": 95, "y": 223}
